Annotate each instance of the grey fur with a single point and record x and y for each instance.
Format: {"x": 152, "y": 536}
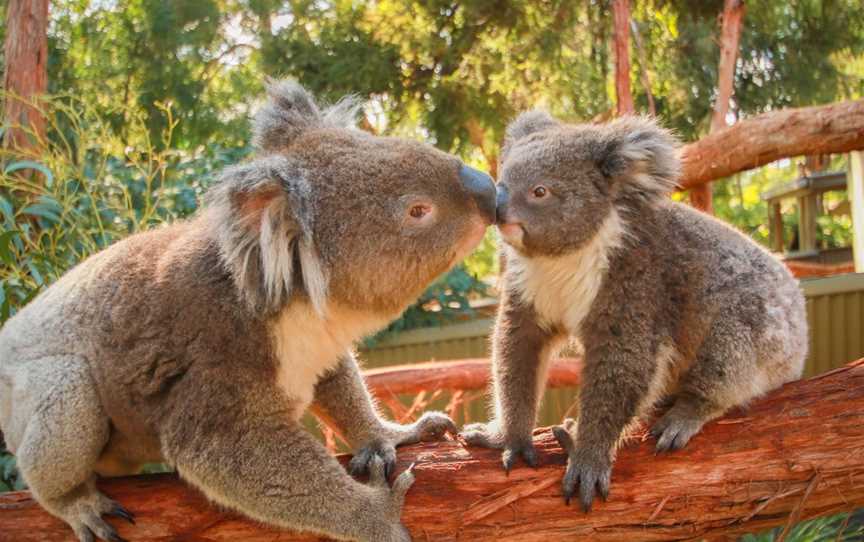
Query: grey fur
{"x": 201, "y": 343}
{"x": 666, "y": 302}
{"x": 291, "y": 110}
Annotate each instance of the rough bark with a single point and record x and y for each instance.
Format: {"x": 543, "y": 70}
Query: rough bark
{"x": 760, "y": 140}
{"x": 463, "y": 374}
{"x": 730, "y": 34}
{"x": 26, "y": 75}
{"x": 796, "y": 454}
{"x": 621, "y": 16}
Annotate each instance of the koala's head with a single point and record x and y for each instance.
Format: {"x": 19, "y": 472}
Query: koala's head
{"x": 330, "y": 214}
{"x": 559, "y": 182}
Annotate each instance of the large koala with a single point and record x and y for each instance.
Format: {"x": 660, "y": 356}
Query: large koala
{"x": 202, "y": 343}
{"x": 667, "y": 302}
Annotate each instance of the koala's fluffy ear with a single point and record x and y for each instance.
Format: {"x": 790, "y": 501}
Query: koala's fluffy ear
{"x": 290, "y": 110}
{"x": 639, "y": 155}
{"x": 526, "y": 124}
{"x": 265, "y": 232}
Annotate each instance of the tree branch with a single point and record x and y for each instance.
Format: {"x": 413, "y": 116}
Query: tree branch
{"x": 760, "y": 140}
{"x": 794, "y": 455}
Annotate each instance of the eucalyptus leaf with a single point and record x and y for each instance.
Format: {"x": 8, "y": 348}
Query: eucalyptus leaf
{"x": 29, "y": 164}
{"x": 6, "y": 242}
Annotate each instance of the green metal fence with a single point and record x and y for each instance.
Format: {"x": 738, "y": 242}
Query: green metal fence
{"x": 835, "y": 310}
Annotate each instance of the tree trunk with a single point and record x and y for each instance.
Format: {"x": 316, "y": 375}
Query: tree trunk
{"x": 621, "y": 16}
{"x": 793, "y": 455}
{"x": 730, "y": 35}
{"x": 477, "y": 136}
{"x": 760, "y": 140}
{"x": 644, "y": 75}
{"x": 26, "y": 75}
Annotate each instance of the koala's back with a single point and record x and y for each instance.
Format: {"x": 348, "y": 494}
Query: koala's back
{"x": 706, "y": 272}
{"x": 151, "y": 317}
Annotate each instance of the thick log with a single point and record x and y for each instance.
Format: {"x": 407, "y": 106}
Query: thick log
{"x": 794, "y": 455}
{"x": 463, "y": 374}
{"x": 760, "y": 140}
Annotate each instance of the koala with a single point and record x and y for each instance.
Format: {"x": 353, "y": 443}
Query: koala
{"x": 668, "y": 304}
{"x": 201, "y": 343}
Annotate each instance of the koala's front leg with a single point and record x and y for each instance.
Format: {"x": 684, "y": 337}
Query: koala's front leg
{"x": 521, "y": 352}
{"x": 246, "y": 454}
{"x": 616, "y": 378}
{"x": 341, "y": 398}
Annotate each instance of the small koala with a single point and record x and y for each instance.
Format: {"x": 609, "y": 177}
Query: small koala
{"x": 667, "y": 303}
{"x": 202, "y": 343}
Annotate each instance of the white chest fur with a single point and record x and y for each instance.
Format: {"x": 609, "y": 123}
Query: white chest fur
{"x": 563, "y": 288}
{"x": 308, "y": 345}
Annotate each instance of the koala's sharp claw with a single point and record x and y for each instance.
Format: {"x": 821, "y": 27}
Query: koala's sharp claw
{"x": 603, "y": 485}
{"x": 588, "y": 477}
{"x": 120, "y": 512}
{"x": 674, "y": 430}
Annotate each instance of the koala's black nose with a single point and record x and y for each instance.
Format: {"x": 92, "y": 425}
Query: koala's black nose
{"x": 481, "y": 188}
{"x": 501, "y": 199}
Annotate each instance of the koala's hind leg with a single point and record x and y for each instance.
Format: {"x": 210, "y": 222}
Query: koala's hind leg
{"x": 64, "y": 431}
{"x": 724, "y": 374}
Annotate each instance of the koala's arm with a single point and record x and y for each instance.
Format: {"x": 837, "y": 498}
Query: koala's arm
{"x": 244, "y": 451}
{"x": 343, "y": 402}
{"x": 522, "y": 350}
{"x": 619, "y": 368}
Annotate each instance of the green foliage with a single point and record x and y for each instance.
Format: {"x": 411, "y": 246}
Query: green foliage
{"x": 86, "y": 189}
{"x": 447, "y": 299}
{"x": 10, "y": 479}
{"x": 839, "y": 528}
{"x": 738, "y": 200}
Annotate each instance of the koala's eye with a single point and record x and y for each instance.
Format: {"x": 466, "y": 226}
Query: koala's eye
{"x": 540, "y": 192}
{"x": 418, "y": 211}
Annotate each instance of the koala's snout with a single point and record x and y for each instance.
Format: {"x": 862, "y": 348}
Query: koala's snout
{"x": 502, "y": 198}
{"x": 481, "y": 188}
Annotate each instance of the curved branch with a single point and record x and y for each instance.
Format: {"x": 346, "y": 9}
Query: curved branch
{"x": 463, "y": 374}
{"x": 760, "y": 140}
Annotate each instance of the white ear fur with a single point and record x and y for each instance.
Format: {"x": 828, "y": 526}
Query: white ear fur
{"x": 264, "y": 223}
{"x": 277, "y": 262}
{"x": 644, "y": 153}
{"x": 314, "y": 276}
{"x": 278, "y": 240}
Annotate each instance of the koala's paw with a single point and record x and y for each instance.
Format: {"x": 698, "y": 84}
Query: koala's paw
{"x": 674, "y": 430}
{"x": 391, "y": 500}
{"x": 431, "y": 426}
{"x": 381, "y": 450}
{"x": 487, "y": 436}
{"x": 86, "y": 519}
{"x": 484, "y": 435}
{"x": 589, "y": 471}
